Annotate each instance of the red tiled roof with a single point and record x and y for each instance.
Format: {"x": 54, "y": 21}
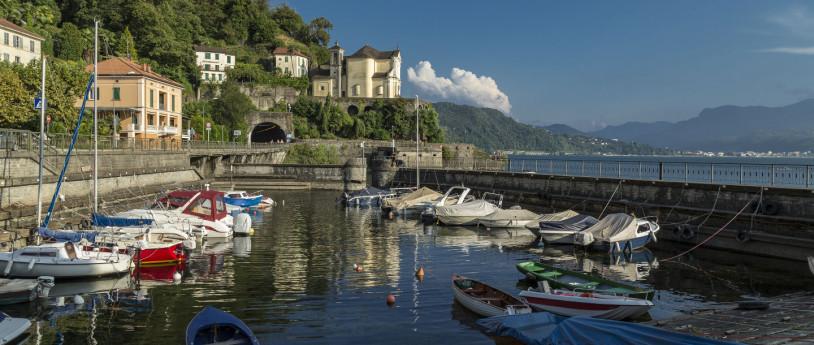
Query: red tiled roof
{"x": 286, "y": 51}
{"x": 13, "y": 26}
{"x": 121, "y": 66}
{"x": 205, "y": 49}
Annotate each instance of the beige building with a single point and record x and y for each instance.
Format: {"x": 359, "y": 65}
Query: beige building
{"x": 146, "y": 104}
{"x": 18, "y": 44}
{"x": 213, "y": 63}
{"x": 290, "y": 63}
{"x": 368, "y": 73}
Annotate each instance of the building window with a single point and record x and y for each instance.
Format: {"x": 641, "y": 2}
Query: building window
{"x": 228, "y": 59}
{"x": 16, "y": 41}
{"x": 220, "y": 76}
{"x": 217, "y": 56}
{"x": 206, "y": 76}
{"x": 206, "y": 67}
{"x": 286, "y": 70}
{"x": 149, "y": 120}
{"x": 151, "y": 103}
{"x": 5, "y": 38}
{"x": 217, "y": 67}
{"x": 5, "y": 57}
{"x": 32, "y": 46}
{"x": 286, "y": 59}
{"x": 206, "y": 55}
{"x": 116, "y": 94}
{"x": 173, "y": 102}
{"x": 172, "y": 119}
{"x": 322, "y": 88}
{"x": 356, "y": 90}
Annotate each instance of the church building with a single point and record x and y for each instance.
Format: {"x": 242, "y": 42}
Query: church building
{"x": 368, "y": 73}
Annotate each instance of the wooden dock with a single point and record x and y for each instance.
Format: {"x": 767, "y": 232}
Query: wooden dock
{"x": 788, "y": 320}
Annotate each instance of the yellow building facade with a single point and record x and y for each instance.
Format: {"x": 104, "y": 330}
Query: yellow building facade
{"x": 144, "y": 104}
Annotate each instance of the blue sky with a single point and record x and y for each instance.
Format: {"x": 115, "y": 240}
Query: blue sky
{"x": 588, "y": 64}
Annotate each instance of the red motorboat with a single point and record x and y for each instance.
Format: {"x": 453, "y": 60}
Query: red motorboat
{"x": 150, "y": 253}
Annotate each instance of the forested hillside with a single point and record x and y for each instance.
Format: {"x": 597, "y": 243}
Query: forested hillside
{"x": 490, "y": 130}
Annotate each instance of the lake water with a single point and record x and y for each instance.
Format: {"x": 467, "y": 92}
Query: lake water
{"x": 293, "y": 282}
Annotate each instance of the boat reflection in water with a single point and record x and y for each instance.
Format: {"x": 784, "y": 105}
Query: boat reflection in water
{"x": 480, "y": 237}
{"x": 208, "y": 263}
{"x": 242, "y": 246}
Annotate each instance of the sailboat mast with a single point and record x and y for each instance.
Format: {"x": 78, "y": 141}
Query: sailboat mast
{"x": 417, "y": 179}
{"x": 42, "y": 133}
{"x": 95, "y": 118}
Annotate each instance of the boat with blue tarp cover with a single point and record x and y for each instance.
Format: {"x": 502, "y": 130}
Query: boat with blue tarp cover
{"x": 549, "y": 329}
{"x": 556, "y": 230}
{"x": 618, "y": 232}
{"x": 99, "y": 220}
{"x": 215, "y": 326}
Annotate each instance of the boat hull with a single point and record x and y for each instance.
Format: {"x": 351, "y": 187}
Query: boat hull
{"x": 66, "y": 269}
{"x": 214, "y": 326}
{"x": 483, "y": 308}
{"x": 560, "y": 278}
{"x": 632, "y": 244}
{"x": 513, "y": 223}
{"x": 244, "y": 202}
{"x": 556, "y": 237}
{"x": 458, "y": 220}
{"x": 611, "y": 309}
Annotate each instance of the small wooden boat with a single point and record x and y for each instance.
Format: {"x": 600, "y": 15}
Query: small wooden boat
{"x": 560, "y": 278}
{"x": 23, "y": 290}
{"x": 12, "y": 329}
{"x": 570, "y": 303}
{"x": 485, "y": 300}
{"x": 215, "y": 326}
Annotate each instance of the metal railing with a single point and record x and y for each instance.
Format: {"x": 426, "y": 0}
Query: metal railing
{"x": 483, "y": 164}
{"x": 779, "y": 175}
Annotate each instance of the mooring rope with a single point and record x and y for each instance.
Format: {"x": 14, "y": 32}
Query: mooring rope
{"x": 719, "y": 230}
{"x": 609, "y": 200}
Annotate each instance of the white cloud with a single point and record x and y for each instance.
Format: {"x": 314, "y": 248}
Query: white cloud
{"x": 791, "y": 50}
{"x": 461, "y": 84}
{"x": 797, "y": 20}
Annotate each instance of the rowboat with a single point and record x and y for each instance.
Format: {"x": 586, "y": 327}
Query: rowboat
{"x": 560, "y": 278}
{"x": 547, "y": 328}
{"x": 215, "y": 326}
{"x": 485, "y": 300}
{"x": 570, "y": 303}
{"x": 24, "y": 290}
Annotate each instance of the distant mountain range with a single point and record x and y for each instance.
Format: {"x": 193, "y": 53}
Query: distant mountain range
{"x": 490, "y": 130}
{"x": 728, "y": 128}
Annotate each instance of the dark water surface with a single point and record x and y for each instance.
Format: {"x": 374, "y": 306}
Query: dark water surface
{"x": 293, "y": 282}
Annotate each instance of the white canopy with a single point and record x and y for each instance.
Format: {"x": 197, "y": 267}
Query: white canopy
{"x": 613, "y": 228}
{"x": 555, "y": 217}
{"x": 519, "y": 214}
{"x": 475, "y": 208}
{"x": 420, "y": 195}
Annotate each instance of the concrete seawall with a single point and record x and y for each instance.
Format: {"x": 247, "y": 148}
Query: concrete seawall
{"x": 772, "y": 222}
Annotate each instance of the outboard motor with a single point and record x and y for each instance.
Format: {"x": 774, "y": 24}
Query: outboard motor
{"x": 584, "y": 238}
{"x": 242, "y": 224}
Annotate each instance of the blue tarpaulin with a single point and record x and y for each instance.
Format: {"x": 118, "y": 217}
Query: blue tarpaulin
{"x": 575, "y": 223}
{"x": 67, "y": 236}
{"x": 99, "y": 220}
{"x": 550, "y": 329}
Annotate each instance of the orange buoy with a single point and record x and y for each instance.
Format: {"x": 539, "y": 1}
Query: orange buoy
{"x": 420, "y": 274}
{"x": 391, "y": 301}
{"x": 488, "y": 229}
{"x": 359, "y": 268}
{"x": 390, "y": 215}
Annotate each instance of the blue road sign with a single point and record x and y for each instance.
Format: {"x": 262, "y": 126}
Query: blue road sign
{"x": 38, "y": 103}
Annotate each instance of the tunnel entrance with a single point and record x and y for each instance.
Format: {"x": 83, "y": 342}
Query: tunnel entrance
{"x": 268, "y": 132}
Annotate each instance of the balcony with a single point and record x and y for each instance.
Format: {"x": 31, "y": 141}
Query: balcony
{"x": 167, "y": 130}
{"x": 162, "y": 106}
{"x": 152, "y": 129}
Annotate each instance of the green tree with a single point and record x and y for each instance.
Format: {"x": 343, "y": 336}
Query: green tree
{"x": 319, "y": 28}
{"x": 126, "y": 46}
{"x": 16, "y": 108}
{"x": 71, "y": 43}
{"x": 232, "y": 106}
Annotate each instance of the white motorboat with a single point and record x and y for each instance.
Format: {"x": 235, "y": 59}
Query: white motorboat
{"x": 618, "y": 232}
{"x": 12, "y": 329}
{"x": 464, "y": 214}
{"x": 414, "y": 202}
{"x": 570, "y": 303}
{"x": 62, "y": 260}
{"x": 205, "y": 210}
{"x": 514, "y": 217}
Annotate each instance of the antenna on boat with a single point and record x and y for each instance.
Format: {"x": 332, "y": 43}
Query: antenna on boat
{"x": 95, "y": 118}
{"x": 417, "y": 178}
{"x": 42, "y": 133}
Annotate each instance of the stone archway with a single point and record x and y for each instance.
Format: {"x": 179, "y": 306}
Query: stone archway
{"x": 267, "y": 132}
{"x": 269, "y": 126}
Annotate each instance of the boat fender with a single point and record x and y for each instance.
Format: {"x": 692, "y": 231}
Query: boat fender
{"x": 742, "y": 236}
{"x": 770, "y": 208}
{"x": 677, "y": 231}
{"x": 31, "y": 264}
{"x": 687, "y": 232}
{"x": 585, "y": 238}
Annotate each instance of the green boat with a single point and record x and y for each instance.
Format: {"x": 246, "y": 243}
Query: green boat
{"x": 560, "y": 278}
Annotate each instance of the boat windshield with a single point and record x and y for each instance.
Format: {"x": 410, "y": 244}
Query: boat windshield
{"x": 219, "y": 204}
{"x": 170, "y": 203}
